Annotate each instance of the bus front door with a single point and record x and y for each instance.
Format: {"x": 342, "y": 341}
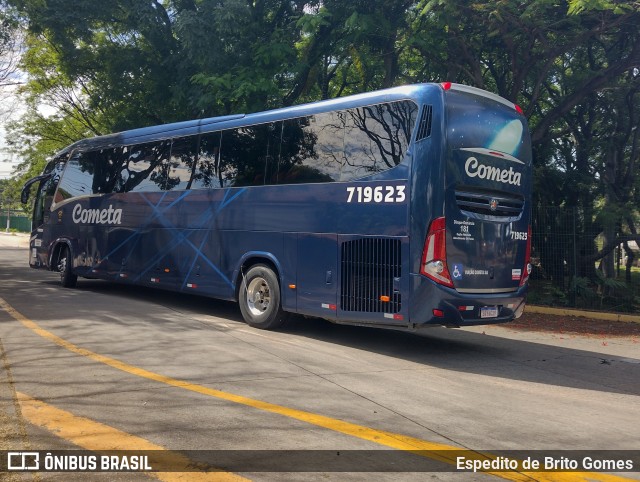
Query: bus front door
{"x": 39, "y": 242}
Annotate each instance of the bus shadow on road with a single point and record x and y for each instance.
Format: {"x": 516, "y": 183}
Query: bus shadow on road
{"x": 437, "y": 347}
{"x": 488, "y": 355}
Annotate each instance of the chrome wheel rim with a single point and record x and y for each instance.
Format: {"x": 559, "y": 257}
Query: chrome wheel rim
{"x": 258, "y": 296}
{"x": 62, "y": 264}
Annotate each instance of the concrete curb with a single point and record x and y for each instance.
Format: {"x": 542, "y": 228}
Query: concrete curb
{"x": 595, "y": 315}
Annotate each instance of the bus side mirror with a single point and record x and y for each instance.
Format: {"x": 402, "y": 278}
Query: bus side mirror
{"x": 24, "y": 195}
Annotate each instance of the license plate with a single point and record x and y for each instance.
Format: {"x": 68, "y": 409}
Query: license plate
{"x": 488, "y": 311}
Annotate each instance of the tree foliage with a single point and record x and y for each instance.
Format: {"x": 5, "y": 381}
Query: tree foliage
{"x": 572, "y": 65}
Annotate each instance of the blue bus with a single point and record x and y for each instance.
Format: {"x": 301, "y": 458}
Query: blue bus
{"x": 400, "y": 208}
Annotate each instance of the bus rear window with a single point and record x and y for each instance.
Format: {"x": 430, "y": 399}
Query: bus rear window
{"x": 480, "y": 122}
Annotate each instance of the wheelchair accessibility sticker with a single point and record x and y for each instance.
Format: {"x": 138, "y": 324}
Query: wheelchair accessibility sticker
{"x": 457, "y": 271}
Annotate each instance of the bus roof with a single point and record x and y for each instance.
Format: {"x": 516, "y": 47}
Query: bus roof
{"x": 192, "y": 127}
{"x": 196, "y": 126}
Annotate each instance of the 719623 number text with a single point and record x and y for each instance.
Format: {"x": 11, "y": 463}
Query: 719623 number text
{"x": 378, "y": 194}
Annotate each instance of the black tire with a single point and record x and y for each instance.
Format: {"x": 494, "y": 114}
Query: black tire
{"x": 65, "y": 268}
{"x": 259, "y": 298}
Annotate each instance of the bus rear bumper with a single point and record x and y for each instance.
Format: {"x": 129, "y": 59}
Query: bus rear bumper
{"x": 432, "y": 304}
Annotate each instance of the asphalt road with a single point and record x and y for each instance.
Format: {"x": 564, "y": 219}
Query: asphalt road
{"x": 107, "y": 366}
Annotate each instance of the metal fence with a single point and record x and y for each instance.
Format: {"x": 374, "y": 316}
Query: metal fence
{"x": 565, "y": 243}
{"x": 14, "y": 221}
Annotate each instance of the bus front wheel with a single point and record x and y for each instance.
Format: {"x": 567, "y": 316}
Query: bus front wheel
{"x": 259, "y": 298}
{"x": 65, "y": 263}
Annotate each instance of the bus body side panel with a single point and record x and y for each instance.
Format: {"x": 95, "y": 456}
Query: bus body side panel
{"x": 200, "y": 242}
{"x": 427, "y": 203}
{"x": 317, "y": 275}
{"x": 196, "y": 241}
{"x": 198, "y": 262}
{"x": 427, "y": 179}
{"x": 313, "y": 268}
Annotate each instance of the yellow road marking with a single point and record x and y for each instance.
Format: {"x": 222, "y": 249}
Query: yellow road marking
{"x": 389, "y": 439}
{"x": 98, "y": 437}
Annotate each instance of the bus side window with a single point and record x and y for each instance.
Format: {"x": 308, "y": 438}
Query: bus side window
{"x": 181, "y": 162}
{"x": 107, "y": 163}
{"x": 246, "y": 153}
{"x": 142, "y": 169}
{"x": 77, "y": 179}
{"x": 297, "y": 156}
{"x": 376, "y": 138}
{"x": 207, "y": 172}
{"x": 323, "y": 138}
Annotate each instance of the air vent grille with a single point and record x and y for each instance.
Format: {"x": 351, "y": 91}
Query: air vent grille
{"x": 490, "y": 204}
{"x": 424, "y": 129}
{"x": 370, "y": 272}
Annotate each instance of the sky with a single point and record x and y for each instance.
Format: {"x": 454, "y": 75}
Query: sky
{"x": 8, "y": 160}
{"x": 12, "y": 103}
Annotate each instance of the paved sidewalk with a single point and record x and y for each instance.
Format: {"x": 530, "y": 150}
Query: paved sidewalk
{"x": 14, "y": 240}
{"x": 13, "y": 434}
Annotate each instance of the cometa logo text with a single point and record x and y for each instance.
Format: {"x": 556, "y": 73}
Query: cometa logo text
{"x": 508, "y": 176}
{"x": 96, "y": 216}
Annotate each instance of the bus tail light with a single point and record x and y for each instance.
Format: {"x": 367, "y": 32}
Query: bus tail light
{"x": 527, "y": 260}
{"x": 434, "y": 255}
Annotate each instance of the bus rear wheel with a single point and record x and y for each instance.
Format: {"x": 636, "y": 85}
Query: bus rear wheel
{"x": 259, "y": 298}
{"x": 67, "y": 278}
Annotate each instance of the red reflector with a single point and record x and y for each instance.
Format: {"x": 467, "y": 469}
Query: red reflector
{"x": 438, "y": 313}
{"x": 519, "y": 109}
{"x": 395, "y": 316}
{"x": 446, "y": 85}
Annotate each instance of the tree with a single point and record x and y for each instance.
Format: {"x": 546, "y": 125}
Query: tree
{"x": 572, "y": 65}
{"x": 11, "y": 40}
